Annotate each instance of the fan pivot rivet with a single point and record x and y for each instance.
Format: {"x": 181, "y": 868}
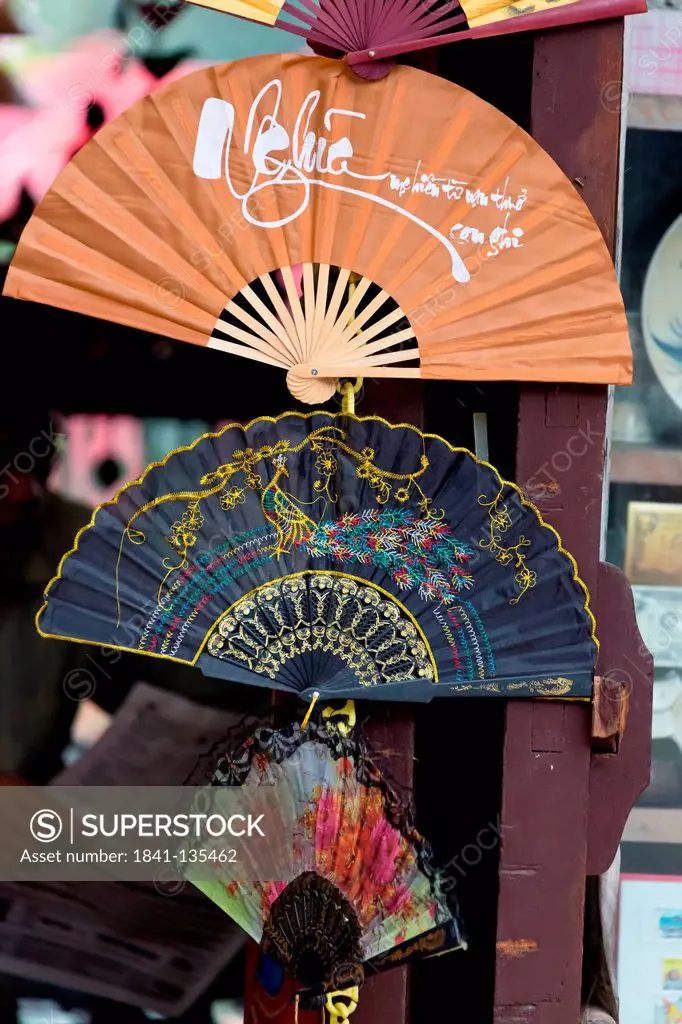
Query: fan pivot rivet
{"x": 314, "y": 373}
{"x": 371, "y": 54}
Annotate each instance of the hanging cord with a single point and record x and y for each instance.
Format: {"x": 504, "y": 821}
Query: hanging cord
{"x": 339, "y": 1012}
{"x": 347, "y": 712}
{"x": 349, "y": 390}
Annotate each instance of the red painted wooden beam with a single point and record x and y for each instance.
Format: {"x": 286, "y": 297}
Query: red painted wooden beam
{"x": 560, "y": 461}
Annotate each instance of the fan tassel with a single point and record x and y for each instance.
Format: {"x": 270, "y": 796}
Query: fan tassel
{"x": 316, "y": 697}
{"x": 349, "y": 391}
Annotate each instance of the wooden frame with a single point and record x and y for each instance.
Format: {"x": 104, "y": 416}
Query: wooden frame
{"x": 550, "y": 845}
{"x": 562, "y": 804}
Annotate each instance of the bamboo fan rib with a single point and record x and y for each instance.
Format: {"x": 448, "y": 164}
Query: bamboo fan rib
{"x": 282, "y": 209}
{"x": 335, "y": 326}
{"x": 355, "y": 26}
{"x": 371, "y": 32}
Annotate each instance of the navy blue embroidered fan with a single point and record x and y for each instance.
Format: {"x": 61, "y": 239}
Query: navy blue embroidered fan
{"x": 334, "y": 555}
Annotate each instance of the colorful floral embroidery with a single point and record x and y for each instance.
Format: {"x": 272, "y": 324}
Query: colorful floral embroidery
{"x": 403, "y": 539}
{"x": 418, "y": 554}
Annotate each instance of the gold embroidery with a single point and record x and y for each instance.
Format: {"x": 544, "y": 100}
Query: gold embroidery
{"x": 282, "y": 510}
{"x": 476, "y": 687}
{"x": 499, "y": 522}
{"x": 429, "y": 944}
{"x": 183, "y": 535}
{"x": 541, "y": 687}
{"x": 326, "y": 613}
{"x": 304, "y": 417}
{"x": 545, "y": 687}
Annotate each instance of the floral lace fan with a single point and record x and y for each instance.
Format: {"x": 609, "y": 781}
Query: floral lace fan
{"x": 361, "y": 892}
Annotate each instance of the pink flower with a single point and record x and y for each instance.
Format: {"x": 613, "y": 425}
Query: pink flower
{"x": 13, "y": 128}
{"x": 12, "y": 118}
{"x": 328, "y": 821}
{"x": 386, "y": 842}
{"x": 397, "y": 899}
{"x": 34, "y": 152}
{"x": 69, "y": 95}
{"x": 271, "y": 890}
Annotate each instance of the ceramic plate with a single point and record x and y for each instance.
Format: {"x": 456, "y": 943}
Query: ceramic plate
{"x": 662, "y": 311}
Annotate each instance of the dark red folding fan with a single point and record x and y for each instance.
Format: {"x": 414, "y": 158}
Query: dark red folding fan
{"x": 371, "y": 32}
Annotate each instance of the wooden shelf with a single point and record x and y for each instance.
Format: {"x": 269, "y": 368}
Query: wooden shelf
{"x": 638, "y": 464}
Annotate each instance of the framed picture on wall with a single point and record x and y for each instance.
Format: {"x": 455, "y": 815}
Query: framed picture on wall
{"x": 650, "y": 949}
{"x": 653, "y": 551}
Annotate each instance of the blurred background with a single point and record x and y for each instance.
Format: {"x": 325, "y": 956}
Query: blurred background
{"x": 125, "y": 399}
{"x": 94, "y": 954}
{"x": 644, "y": 496}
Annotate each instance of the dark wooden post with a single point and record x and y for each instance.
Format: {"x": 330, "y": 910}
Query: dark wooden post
{"x": 563, "y": 805}
{"x": 548, "y": 757}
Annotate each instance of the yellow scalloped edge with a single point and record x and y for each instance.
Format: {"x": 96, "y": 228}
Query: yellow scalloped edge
{"x": 277, "y": 419}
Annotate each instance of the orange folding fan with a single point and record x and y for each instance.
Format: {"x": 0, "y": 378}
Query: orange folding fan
{"x": 371, "y": 32}
{"x": 282, "y": 209}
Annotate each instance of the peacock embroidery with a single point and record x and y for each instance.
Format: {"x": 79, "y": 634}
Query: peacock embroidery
{"x": 417, "y": 549}
{"x": 291, "y": 523}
